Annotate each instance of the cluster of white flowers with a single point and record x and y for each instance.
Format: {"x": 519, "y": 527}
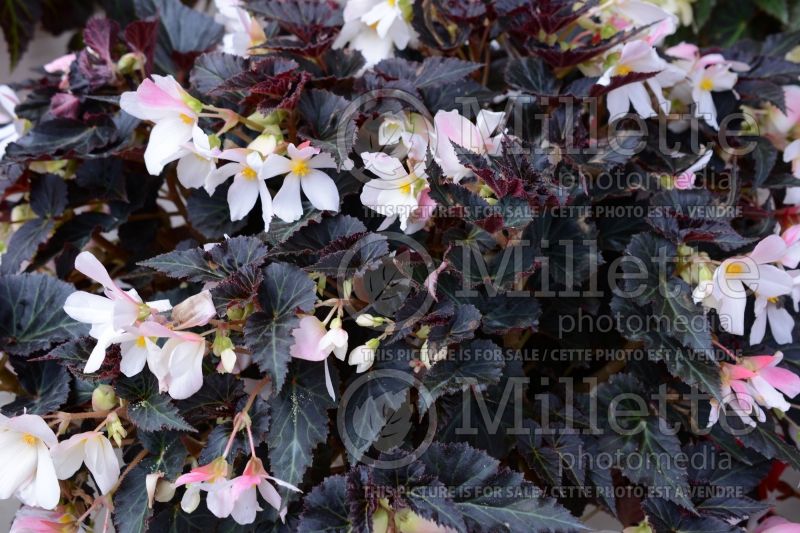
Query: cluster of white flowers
{"x": 764, "y": 272}
{"x": 34, "y": 460}
{"x": 176, "y": 135}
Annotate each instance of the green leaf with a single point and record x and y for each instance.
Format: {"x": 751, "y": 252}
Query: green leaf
{"x": 641, "y": 434}
{"x": 48, "y": 195}
{"x": 210, "y": 215}
{"x": 531, "y": 75}
{"x": 182, "y": 29}
{"x": 216, "y": 264}
{"x": 777, "y": 8}
{"x": 702, "y": 12}
{"x": 24, "y": 243}
{"x": 326, "y": 508}
{"x": 480, "y": 361}
{"x": 666, "y": 516}
{"x": 18, "y": 18}
{"x": 212, "y": 69}
{"x": 492, "y": 498}
{"x": 300, "y": 415}
{"x": 131, "y": 512}
{"x": 46, "y": 384}
{"x": 167, "y": 452}
{"x": 268, "y": 333}
{"x": 32, "y": 317}
{"x": 61, "y": 137}
{"x": 147, "y": 408}
{"x": 552, "y": 456}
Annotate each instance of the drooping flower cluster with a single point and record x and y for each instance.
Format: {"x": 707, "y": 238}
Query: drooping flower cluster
{"x": 752, "y": 383}
{"x": 762, "y": 271}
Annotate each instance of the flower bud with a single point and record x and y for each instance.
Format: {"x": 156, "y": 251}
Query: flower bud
{"x": 221, "y": 343}
{"x": 130, "y": 62}
{"x": 369, "y": 321}
{"x": 104, "y": 398}
{"x": 228, "y": 357}
{"x": 194, "y": 311}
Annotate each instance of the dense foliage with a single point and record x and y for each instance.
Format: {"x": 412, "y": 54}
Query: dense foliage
{"x": 401, "y": 265}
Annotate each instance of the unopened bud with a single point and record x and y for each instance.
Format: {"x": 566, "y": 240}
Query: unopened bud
{"x": 228, "y": 360}
{"x": 369, "y": 321}
{"x": 104, "y": 398}
{"x": 194, "y": 311}
{"x": 130, "y": 62}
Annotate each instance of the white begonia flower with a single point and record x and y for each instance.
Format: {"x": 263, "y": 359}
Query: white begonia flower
{"x": 198, "y": 160}
{"x": 639, "y": 57}
{"x": 727, "y": 294}
{"x": 363, "y": 356}
{"x": 92, "y": 448}
{"x": 780, "y": 321}
{"x": 242, "y": 31}
{"x": 249, "y": 175}
{"x": 376, "y": 27}
{"x": 179, "y": 366}
{"x": 451, "y": 127}
{"x": 412, "y": 131}
{"x": 302, "y": 169}
{"x": 109, "y": 314}
{"x": 396, "y": 193}
{"x": 173, "y": 110}
{"x": 27, "y": 467}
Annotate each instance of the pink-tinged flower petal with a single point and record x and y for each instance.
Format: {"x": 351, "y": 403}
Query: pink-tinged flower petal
{"x": 245, "y": 507}
{"x": 307, "y": 338}
{"x": 219, "y": 500}
{"x": 304, "y": 151}
{"x": 88, "y": 265}
{"x": 737, "y": 372}
{"x": 777, "y": 524}
{"x": 769, "y": 250}
{"x": 782, "y": 379}
{"x": 214, "y": 470}
{"x": 269, "y": 494}
{"x": 766, "y": 394}
{"x": 196, "y": 310}
{"x": 60, "y": 64}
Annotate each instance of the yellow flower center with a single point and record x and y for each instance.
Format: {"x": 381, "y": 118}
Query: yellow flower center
{"x": 391, "y": 3}
{"x": 140, "y": 342}
{"x": 249, "y": 173}
{"x": 623, "y": 70}
{"x": 773, "y": 300}
{"x": 405, "y": 189}
{"x": 706, "y": 84}
{"x": 300, "y": 168}
{"x": 735, "y": 268}
{"x": 186, "y": 119}
{"x": 29, "y": 439}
